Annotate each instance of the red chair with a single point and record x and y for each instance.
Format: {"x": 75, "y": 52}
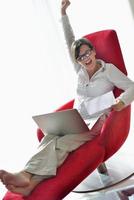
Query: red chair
{"x": 86, "y": 158}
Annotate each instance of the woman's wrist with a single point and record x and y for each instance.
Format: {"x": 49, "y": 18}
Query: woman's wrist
{"x": 63, "y": 12}
{"x": 64, "y": 6}
{"x": 119, "y": 105}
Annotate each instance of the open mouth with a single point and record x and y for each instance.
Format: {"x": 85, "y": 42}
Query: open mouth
{"x": 88, "y": 62}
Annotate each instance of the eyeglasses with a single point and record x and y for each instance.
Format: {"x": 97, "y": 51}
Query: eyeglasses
{"x": 85, "y": 55}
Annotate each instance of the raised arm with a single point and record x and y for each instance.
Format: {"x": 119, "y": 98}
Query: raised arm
{"x": 68, "y": 32}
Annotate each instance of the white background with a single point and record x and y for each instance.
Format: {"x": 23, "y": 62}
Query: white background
{"x": 36, "y": 75}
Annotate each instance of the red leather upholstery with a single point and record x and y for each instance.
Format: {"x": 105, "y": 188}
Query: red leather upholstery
{"x": 85, "y": 159}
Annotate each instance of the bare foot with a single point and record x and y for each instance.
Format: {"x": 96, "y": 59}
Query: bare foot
{"x": 2, "y": 173}
{"x": 20, "y": 179}
{"x": 24, "y": 191}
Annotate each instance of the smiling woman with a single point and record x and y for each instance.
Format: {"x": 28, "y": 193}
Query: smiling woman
{"x": 85, "y": 55}
{"x": 30, "y": 81}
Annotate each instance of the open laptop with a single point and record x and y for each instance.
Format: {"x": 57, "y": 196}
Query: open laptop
{"x": 61, "y": 122}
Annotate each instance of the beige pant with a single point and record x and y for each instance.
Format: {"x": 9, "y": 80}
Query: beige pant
{"x": 53, "y": 150}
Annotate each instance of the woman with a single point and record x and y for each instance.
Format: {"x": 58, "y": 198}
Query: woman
{"x": 53, "y": 150}
{"x": 89, "y": 70}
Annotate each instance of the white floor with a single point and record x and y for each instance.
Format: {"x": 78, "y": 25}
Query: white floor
{"x": 109, "y": 194}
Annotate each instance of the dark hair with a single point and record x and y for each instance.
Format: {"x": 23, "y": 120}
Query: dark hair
{"x": 75, "y": 48}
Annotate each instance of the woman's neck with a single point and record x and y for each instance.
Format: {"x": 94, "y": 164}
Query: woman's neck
{"x": 96, "y": 68}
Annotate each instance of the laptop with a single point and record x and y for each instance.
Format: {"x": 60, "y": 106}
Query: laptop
{"x": 61, "y": 122}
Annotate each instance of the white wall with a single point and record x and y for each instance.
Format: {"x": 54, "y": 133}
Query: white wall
{"x": 35, "y": 75}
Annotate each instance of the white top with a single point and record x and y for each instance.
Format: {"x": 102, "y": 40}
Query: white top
{"x": 103, "y": 81}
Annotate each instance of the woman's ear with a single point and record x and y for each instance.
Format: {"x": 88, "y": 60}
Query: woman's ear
{"x": 94, "y": 51}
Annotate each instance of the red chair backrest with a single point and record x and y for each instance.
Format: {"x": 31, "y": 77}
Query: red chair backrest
{"x": 107, "y": 47}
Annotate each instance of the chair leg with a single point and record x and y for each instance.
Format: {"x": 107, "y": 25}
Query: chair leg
{"x": 102, "y": 169}
{"x": 122, "y": 196}
{"x": 128, "y": 192}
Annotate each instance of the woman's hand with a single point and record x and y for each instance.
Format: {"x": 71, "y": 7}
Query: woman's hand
{"x": 64, "y": 6}
{"x": 118, "y": 106}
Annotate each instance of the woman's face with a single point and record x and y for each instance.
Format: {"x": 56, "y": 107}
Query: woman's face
{"x": 87, "y": 57}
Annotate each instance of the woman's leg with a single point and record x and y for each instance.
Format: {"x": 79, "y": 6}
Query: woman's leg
{"x": 17, "y": 179}
{"x": 51, "y": 154}
{"x": 23, "y": 177}
{"x": 26, "y": 190}
{"x": 71, "y": 142}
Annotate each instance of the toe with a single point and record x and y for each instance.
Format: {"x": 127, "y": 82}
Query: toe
{"x": 10, "y": 187}
{"x": 2, "y": 172}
